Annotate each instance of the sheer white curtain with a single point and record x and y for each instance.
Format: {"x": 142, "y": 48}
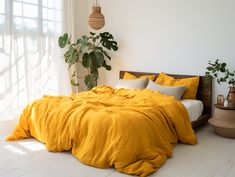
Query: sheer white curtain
{"x": 30, "y": 60}
{"x": 70, "y": 18}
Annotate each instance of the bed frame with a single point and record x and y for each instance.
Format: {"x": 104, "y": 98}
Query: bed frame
{"x": 204, "y": 94}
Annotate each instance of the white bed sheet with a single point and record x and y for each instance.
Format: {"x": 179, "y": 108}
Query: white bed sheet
{"x": 194, "y": 108}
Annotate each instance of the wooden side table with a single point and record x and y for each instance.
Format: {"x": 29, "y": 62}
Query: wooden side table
{"x": 223, "y": 121}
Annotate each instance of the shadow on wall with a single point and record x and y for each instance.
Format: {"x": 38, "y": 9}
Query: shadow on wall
{"x": 104, "y": 79}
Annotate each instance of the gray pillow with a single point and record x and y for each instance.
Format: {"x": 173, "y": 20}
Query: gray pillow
{"x": 132, "y": 84}
{"x": 176, "y": 91}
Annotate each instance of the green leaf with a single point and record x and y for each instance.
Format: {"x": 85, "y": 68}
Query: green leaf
{"x": 97, "y": 59}
{"x": 94, "y": 71}
{"x": 91, "y": 33}
{"x": 108, "y": 67}
{"x": 79, "y": 41}
{"x": 108, "y": 42}
{"x": 86, "y": 60}
{"x": 106, "y": 54}
{"x": 223, "y": 65}
{"x": 83, "y": 40}
{"x": 90, "y": 81}
{"x": 209, "y": 68}
{"x": 72, "y": 55}
{"x": 72, "y": 81}
{"x": 103, "y": 52}
{"x": 222, "y": 79}
{"x": 66, "y": 56}
{"x": 63, "y": 40}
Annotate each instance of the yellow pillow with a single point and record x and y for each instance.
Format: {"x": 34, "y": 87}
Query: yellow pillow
{"x": 190, "y": 82}
{"x": 129, "y": 76}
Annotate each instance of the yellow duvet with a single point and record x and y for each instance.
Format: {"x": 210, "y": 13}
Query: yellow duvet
{"x": 132, "y": 130}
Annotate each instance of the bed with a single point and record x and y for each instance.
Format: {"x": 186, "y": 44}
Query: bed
{"x": 132, "y": 130}
{"x": 204, "y": 94}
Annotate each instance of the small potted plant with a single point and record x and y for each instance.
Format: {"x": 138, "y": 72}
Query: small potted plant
{"x": 221, "y": 73}
{"x": 90, "y": 51}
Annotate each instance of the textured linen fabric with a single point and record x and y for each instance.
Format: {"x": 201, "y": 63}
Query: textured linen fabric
{"x": 191, "y": 83}
{"x": 133, "y": 130}
{"x": 132, "y": 84}
{"x": 129, "y": 76}
{"x": 176, "y": 91}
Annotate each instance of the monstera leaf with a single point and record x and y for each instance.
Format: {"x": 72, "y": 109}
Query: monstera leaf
{"x": 84, "y": 43}
{"x": 103, "y": 52}
{"x": 72, "y": 56}
{"x": 83, "y": 40}
{"x": 63, "y": 40}
{"x": 108, "y": 67}
{"x": 108, "y": 42}
{"x": 86, "y": 60}
{"x": 98, "y": 59}
{"x": 90, "y": 81}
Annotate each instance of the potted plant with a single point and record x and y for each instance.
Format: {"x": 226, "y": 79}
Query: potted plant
{"x": 221, "y": 73}
{"x": 90, "y": 52}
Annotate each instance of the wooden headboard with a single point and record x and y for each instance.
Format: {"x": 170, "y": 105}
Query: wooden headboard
{"x": 204, "y": 92}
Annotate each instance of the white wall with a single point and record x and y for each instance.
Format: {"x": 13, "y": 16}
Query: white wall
{"x": 81, "y": 17}
{"x": 173, "y": 36}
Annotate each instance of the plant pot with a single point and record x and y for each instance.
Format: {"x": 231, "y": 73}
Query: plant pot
{"x": 231, "y": 97}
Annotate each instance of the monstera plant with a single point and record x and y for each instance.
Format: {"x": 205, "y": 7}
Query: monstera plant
{"x": 90, "y": 52}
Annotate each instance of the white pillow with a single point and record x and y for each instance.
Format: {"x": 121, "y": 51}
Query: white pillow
{"x": 132, "y": 84}
{"x": 176, "y": 91}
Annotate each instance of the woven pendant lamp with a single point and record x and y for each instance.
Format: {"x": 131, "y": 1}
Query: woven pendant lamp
{"x": 96, "y": 19}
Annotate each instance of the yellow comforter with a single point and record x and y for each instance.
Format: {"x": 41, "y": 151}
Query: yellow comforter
{"x": 134, "y": 131}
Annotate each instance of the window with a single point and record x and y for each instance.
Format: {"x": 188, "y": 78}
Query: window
{"x": 33, "y": 15}
{"x": 28, "y": 50}
{"x": 2, "y": 14}
{"x": 26, "y": 15}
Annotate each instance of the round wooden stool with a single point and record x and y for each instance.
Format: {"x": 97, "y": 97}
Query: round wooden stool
{"x": 223, "y": 121}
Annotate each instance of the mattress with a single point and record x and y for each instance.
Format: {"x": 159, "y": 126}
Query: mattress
{"x": 194, "y": 108}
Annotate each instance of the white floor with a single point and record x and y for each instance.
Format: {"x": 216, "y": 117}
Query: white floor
{"x": 213, "y": 156}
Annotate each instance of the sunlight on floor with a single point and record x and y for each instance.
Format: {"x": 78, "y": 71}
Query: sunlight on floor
{"x": 15, "y": 150}
{"x": 33, "y": 146}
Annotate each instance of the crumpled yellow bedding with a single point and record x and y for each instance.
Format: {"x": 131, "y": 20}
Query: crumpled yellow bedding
{"x": 132, "y": 130}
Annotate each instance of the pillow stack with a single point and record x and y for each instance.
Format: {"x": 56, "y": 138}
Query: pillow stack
{"x": 185, "y": 88}
{"x": 191, "y": 83}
